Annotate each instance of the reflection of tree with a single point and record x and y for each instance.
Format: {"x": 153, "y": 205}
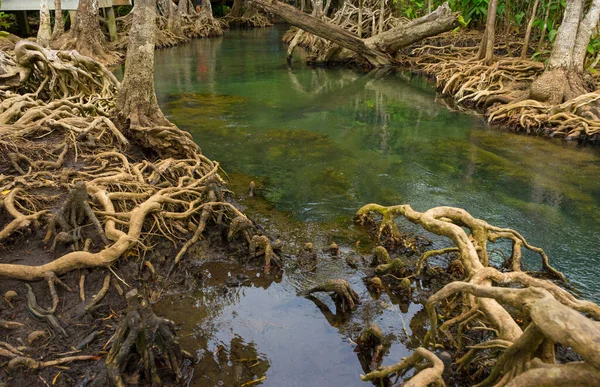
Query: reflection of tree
{"x": 352, "y": 325}
{"x": 197, "y": 61}
{"x": 234, "y": 366}
{"x": 321, "y": 81}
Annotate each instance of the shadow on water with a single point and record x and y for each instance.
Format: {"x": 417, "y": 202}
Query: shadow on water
{"x": 320, "y": 143}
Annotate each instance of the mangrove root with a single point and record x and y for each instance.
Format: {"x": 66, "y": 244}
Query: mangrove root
{"x": 150, "y": 337}
{"x": 345, "y": 297}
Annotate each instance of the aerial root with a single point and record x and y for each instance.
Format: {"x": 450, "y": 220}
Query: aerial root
{"x": 346, "y": 298}
{"x": 521, "y": 324}
{"x": 370, "y": 342}
{"x": 426, "y": 377}
{"x": 43, "y": 314}
{"x": 33, "y": 364}
{"x": 148, "y": 336}
{"x": 263, "y": 243}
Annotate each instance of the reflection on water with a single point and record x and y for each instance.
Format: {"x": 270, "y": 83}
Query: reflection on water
{"x": 322, "y": 142}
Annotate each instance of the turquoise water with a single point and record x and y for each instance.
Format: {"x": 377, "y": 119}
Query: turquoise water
{"x": 320, "y": 143}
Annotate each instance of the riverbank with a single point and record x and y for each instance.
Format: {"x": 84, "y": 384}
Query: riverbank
{"x": 500, "y": 91}
{"x": 95, "y": 225}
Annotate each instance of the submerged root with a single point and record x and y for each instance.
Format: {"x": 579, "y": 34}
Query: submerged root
{"x": 518, "y": 321}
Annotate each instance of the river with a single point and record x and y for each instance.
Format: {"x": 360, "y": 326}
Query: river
{"x": 320, "y": 143}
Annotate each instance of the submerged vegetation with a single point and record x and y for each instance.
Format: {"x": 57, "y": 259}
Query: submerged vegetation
{"x": 99, "y": 189}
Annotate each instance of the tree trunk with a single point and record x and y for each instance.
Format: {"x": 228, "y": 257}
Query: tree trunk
{"x": 174, "y": 20}
{"x": 45, "y": 31}
{"x": 360, "y": 18}
{"x": 563, "y": 78}
{"x": 377, "y": 50}
{"x": 236, "y": 9}
{"x": 382, "y": 15}
{"x": 486, "y": 49}
{"x": 59, "y": 23}
{"x": 206, "y": 9}
{"x": 529, "y": 27}
{"x": 543, "y": 34}
{"x": 183, "y": 7}
{"x": 562, "y": 52}
{"x": 584, "y": 33}
{"x": 85, "y": 35}
{"x": 136, "y": 103}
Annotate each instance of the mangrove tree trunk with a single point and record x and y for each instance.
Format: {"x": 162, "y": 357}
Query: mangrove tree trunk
{"x": 563, "y": 78}
{"x": 44, "y": 32}
{"x": 136, "y": 103}
{"x": 85, "y": 35}
{"x": 59, "y": 23}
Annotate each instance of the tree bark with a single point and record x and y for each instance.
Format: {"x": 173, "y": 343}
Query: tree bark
{"x": 562, "y": 52}
{"x": 59, "y": 23}
{"x": 486, "y": 49}
{"x": 136, "y": 103}
{"x": 528, "y": 32}
{"x": 377, "y": 50}
{"x": 584, "y": 33}
{"x": 543, "y": 34}
{"x": 85, "y": 35}
{"x": 563, "y": 78}
{"x": 236, "y": 9}
{"x": 45, "y": 31}
{"x": 360, "y": 18}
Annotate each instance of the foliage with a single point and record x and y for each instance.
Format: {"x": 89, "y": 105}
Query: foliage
{"x": 6, "y": 20}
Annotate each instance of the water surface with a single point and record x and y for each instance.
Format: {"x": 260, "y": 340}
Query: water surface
{"x": 320, "y": 143}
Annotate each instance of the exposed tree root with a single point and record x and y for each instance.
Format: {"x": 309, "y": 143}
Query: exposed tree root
{"x": 36, "y": 364}
{"x": 151, "y": 337}
{"x": 511, "y": 91}
{"x": 431, "y": 376}
{"x": 69, "y": 172}
{"x": 519, "y": 321}
{"x": 250, "y": 18}
{"x": 193, "y": 25}
{"x": 370, "y": 345}
{"x": 345, "y": 297}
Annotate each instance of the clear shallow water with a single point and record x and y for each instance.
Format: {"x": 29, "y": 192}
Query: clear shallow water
{"x": 320, "y": 143}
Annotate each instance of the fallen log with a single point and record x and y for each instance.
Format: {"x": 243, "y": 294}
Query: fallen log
{"x": 376, "y": 51}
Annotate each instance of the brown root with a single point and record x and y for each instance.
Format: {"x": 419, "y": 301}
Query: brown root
{"x": 552, "y": 314}
{"x": 148, "y": 336}
{"x": 346, "y": 297}
{"x": 426, "y": 377}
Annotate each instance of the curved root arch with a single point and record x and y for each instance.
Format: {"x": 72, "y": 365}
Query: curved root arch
{"x": 552, "y": 315}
